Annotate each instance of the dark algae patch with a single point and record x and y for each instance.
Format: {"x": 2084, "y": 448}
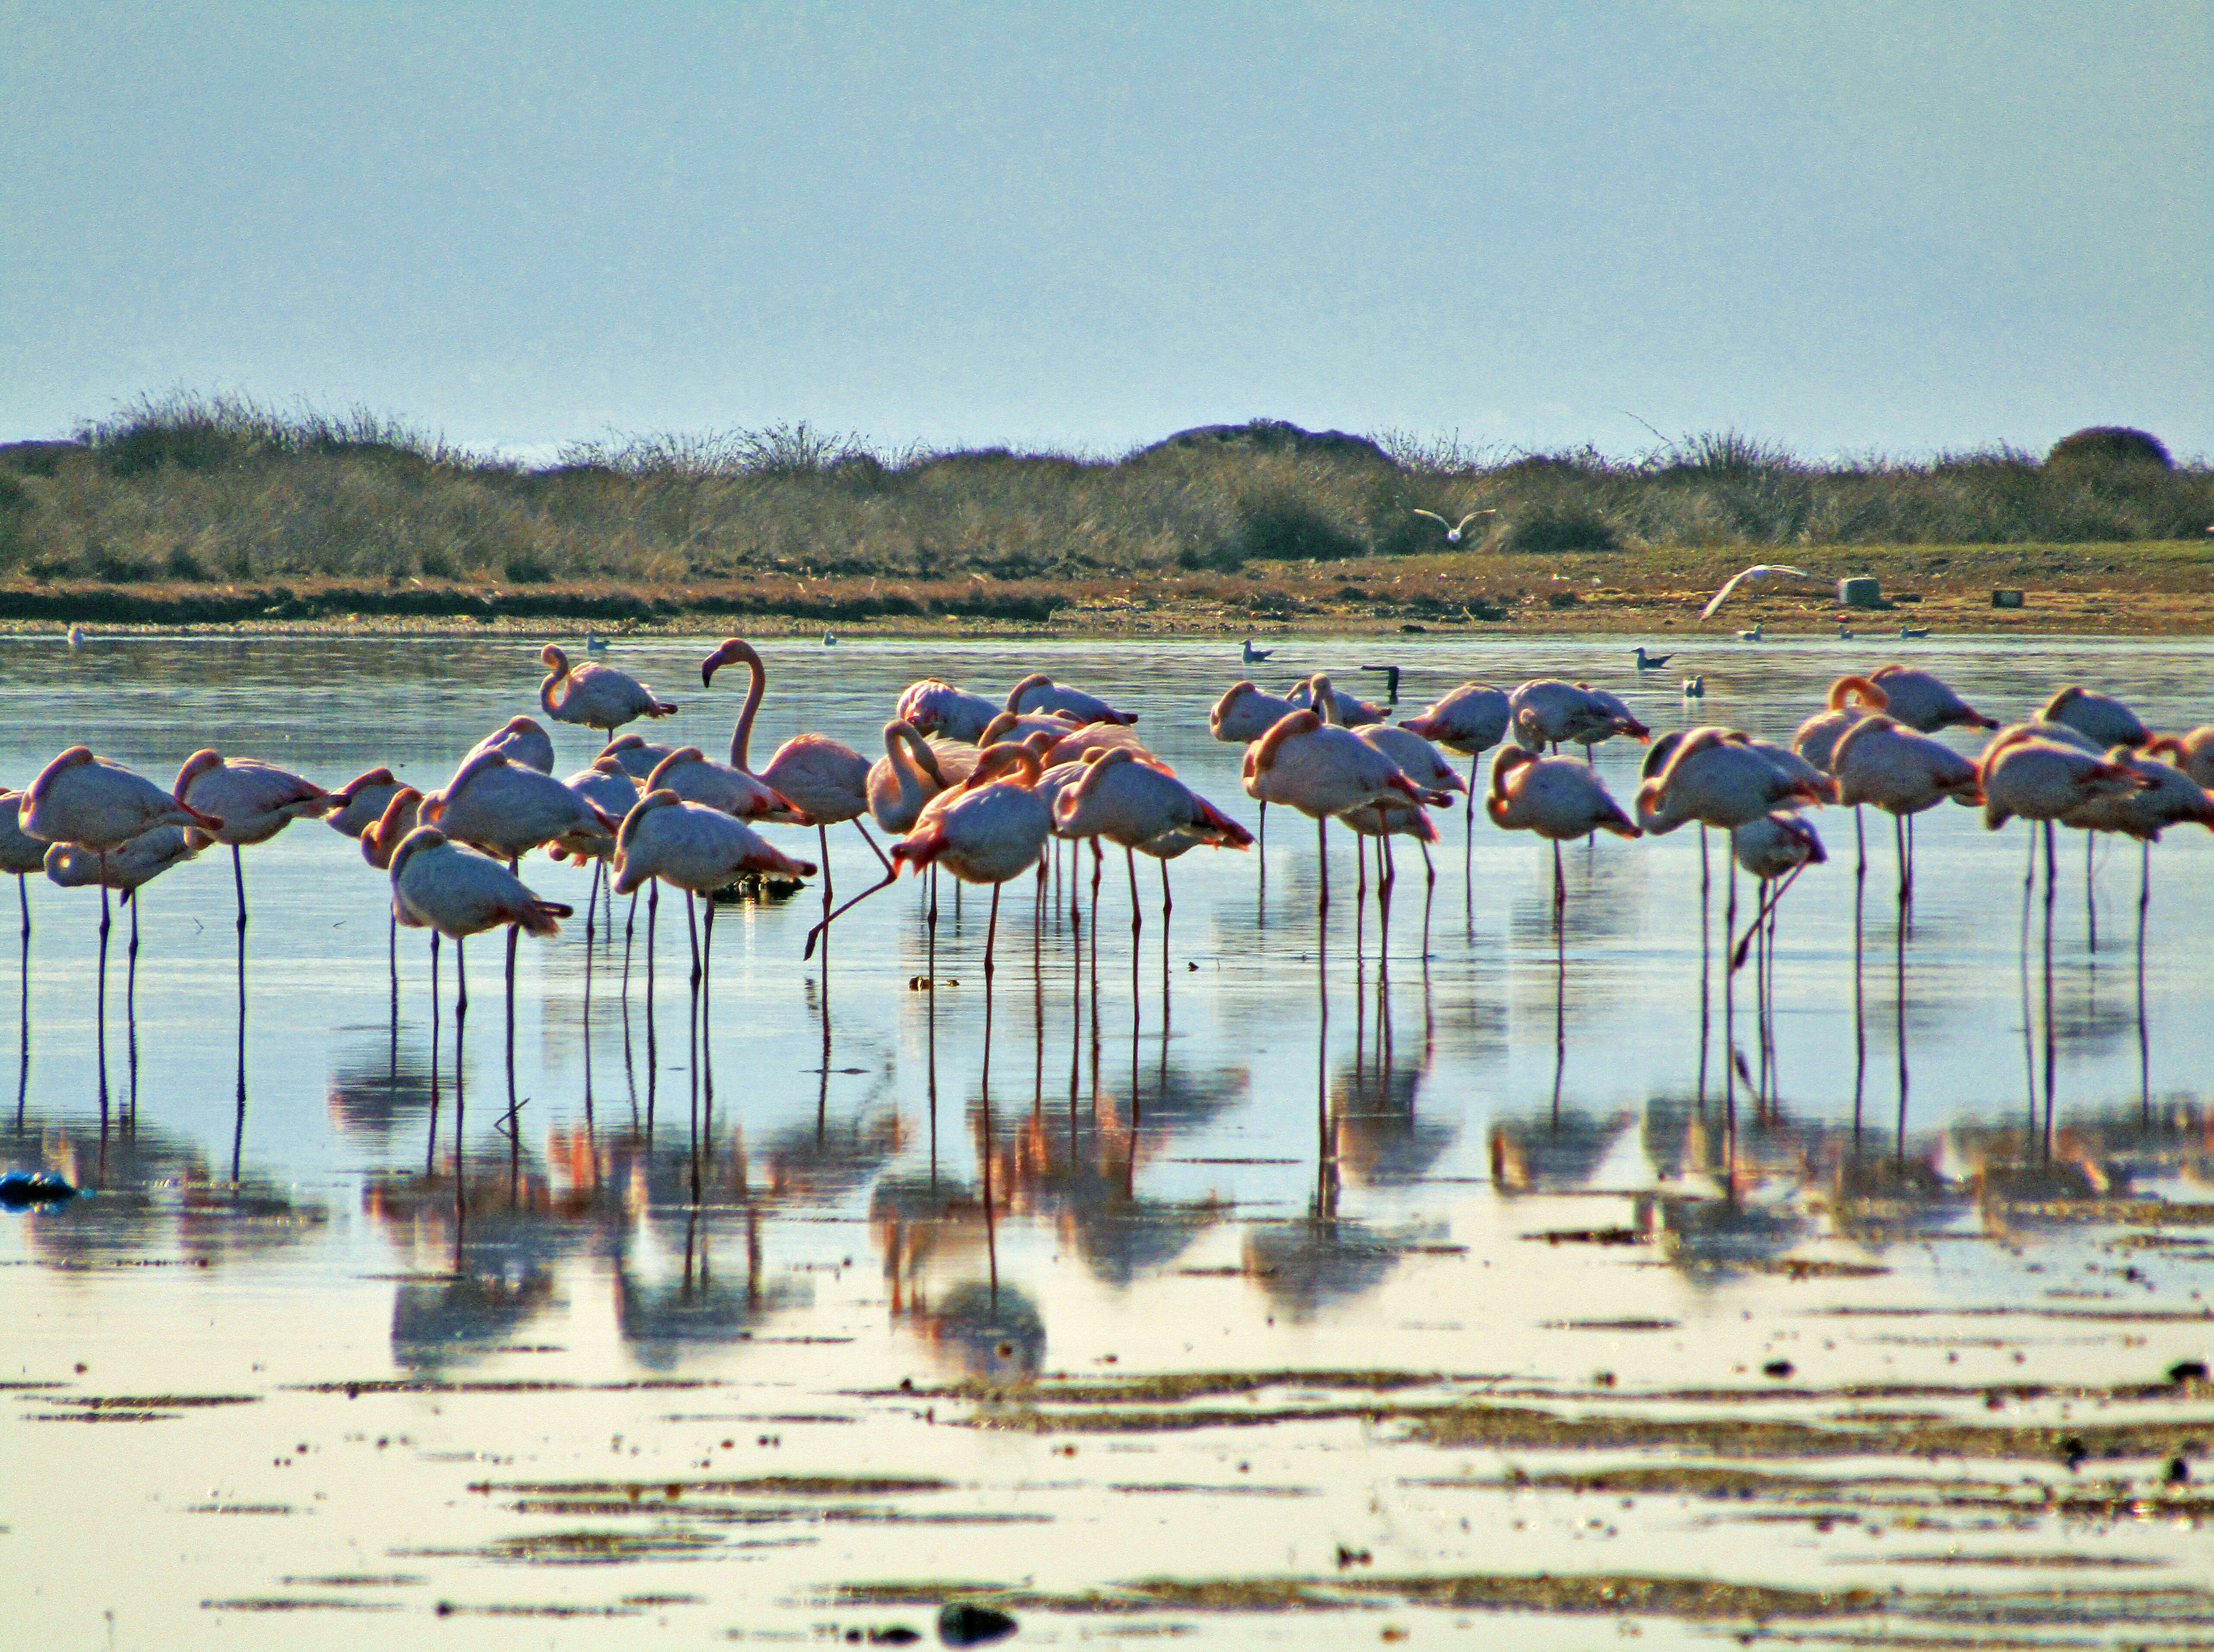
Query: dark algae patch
{"x": 1687, "y": 1598}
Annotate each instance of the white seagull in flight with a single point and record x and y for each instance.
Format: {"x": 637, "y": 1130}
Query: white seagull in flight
{"x": 1454, "y": 529}
{"x": 1736, "y": 580}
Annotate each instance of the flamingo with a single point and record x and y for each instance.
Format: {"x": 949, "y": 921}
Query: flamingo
{"x": 20, "y": 853}
{"x": 825, "y": 779}
{"x": 1244, "y": 713}
{"x": 126, "y": 870}
{"x": 991, "y": 830}
{"x": 1129, "y": 802}
{"x": 688, "y": 772}
{"x": 438, "y": 886}
{"x": 522, "y": 740}
{"x": 1056, "y": 747}
{"x": 637, "y": 756}
{"x": 597, "y": 696}
{"x": 2102, "y": 717}
{"x": 2025, "y": 773}
{"x": 1774, "y": 848}
{"x": 254, "y": 801}
{"x": 1545, "y": 711}
{"x": 1454, "y": 531}
{"x": 1322, "y": 770}
{"x": 937, "y": 707}
{"x": 697, "y": 849}
{"x": 1715, "y": 776}
{"x": 904, "y": 779}
{"x": 1925, "y": 701}
{"x": 2193, "y": 752}
{"x": 1470, "y": 720}
{"x": 1349, "y": 711}
{"x": 1039, "y": 692}
{"x": 1558, "y": 799}
{"x": 379, "y": 840}
{"x": 507, "y": 810}
{"x": 1850, "y": 699}
{"x": 367, "y": 796}
{"x": 1621, "y": 721}
{"x": 1020, "y": 725}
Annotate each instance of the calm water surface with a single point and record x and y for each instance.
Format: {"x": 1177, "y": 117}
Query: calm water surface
{"x": 1236, "y": 1141}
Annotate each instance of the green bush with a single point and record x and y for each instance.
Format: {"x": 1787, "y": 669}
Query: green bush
{"x": 1288, "y": 531}
{"x": 1550, "y": 532}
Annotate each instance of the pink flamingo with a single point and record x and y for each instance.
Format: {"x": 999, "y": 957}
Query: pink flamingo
{"x": 1547, "y": 712}
{"x": 1321, "y": 770}
{"x": 1130, "y": 803}
{"x": 904, "y": 779}
{"x": 1020, "y": 725}
{"x": 597, "y": 696}
{"x": 608, "y": 786}
{"x": 2102, "y": 717}
{"x": 2193, "y": 752}
{"x": 440, "y": 887}
{"x": 1925, "y": 702}
{"x": 1563, "y": 800}
{"x": 826, "y": 779}
{"x": 1039, "y": 692}
{"x": 697, "y": 849}
{"x": 366, "y": 796}
{"x": 126, "y": 870}
{"x": 1716, "y": 777}
{"x": 637, "y": 756}
{"x": 507, "y": 810}
{"x": 690, "y": 773}
{"x": 254, "y": 801}
{"x": 522, "y": 740}
{"x": 993, "y": 829}
{"x": 1351, "y": 711}
{"x": 20, "y": 853}
{"x": 937, "y": 707}
{"x": 1850, "y": 699}
{"x": 1471, "y": 721}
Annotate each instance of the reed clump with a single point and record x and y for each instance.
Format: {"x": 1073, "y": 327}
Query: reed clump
{"x": 191, "y": 488}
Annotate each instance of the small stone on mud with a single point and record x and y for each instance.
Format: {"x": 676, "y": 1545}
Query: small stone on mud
{"x": 1777, "y": 1368}
{"x": 963, "y": 1623}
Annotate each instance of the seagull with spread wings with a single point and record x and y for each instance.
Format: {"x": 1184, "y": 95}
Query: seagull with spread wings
{"x": 1737, "y": 579}
{"x": 1454, "y": 530}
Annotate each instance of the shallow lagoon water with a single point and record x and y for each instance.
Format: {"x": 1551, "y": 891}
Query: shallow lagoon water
{"x": 1280, "y": 1154}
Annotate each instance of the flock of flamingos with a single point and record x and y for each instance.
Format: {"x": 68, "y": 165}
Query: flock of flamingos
{"x": 984, "y": 788}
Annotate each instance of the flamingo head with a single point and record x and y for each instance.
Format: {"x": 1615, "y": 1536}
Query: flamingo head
{"x": 732, "y": 648}
{"x": 553, "y": 659}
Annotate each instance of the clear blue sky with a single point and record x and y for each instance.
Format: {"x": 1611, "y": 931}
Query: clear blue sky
{"x": 1845, "y": 227}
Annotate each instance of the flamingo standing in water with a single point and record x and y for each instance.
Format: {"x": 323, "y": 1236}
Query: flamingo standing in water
{"x": 367, "y": 796}
{"x": 638, "y": 757}
{"x": 378, "y": 840}
{"x": 96, "y": 805}
{"x": 254, "y": 801}
{"x": 521, "y": 740}
{"x": 438, "y": 886}
{"x": 699, "y": 850}
{"x": 1242, "y": 716}
{"x": 1039, "y": 692}
{"x": 937, "y": 707}
{"x": 1557, "y": 798}
{"x": 1925, "y": 702}
{"x": 597, "y": 696}
{"x": 826, "y": 779}
{"x": 1470, "y": 720}
{"x": 126, "y": 870}
{"x": 1545, "y": 712}
{"x": 1321, "y": 770}
{"x": 993, "y": 829}
{"x": 20, "y": 853}
{"x": 2193, "y": 752}
{"x": 1131, "y": 803}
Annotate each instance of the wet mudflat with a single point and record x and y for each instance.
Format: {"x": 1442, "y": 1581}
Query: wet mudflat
{"x": 1279, "y": 1282}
